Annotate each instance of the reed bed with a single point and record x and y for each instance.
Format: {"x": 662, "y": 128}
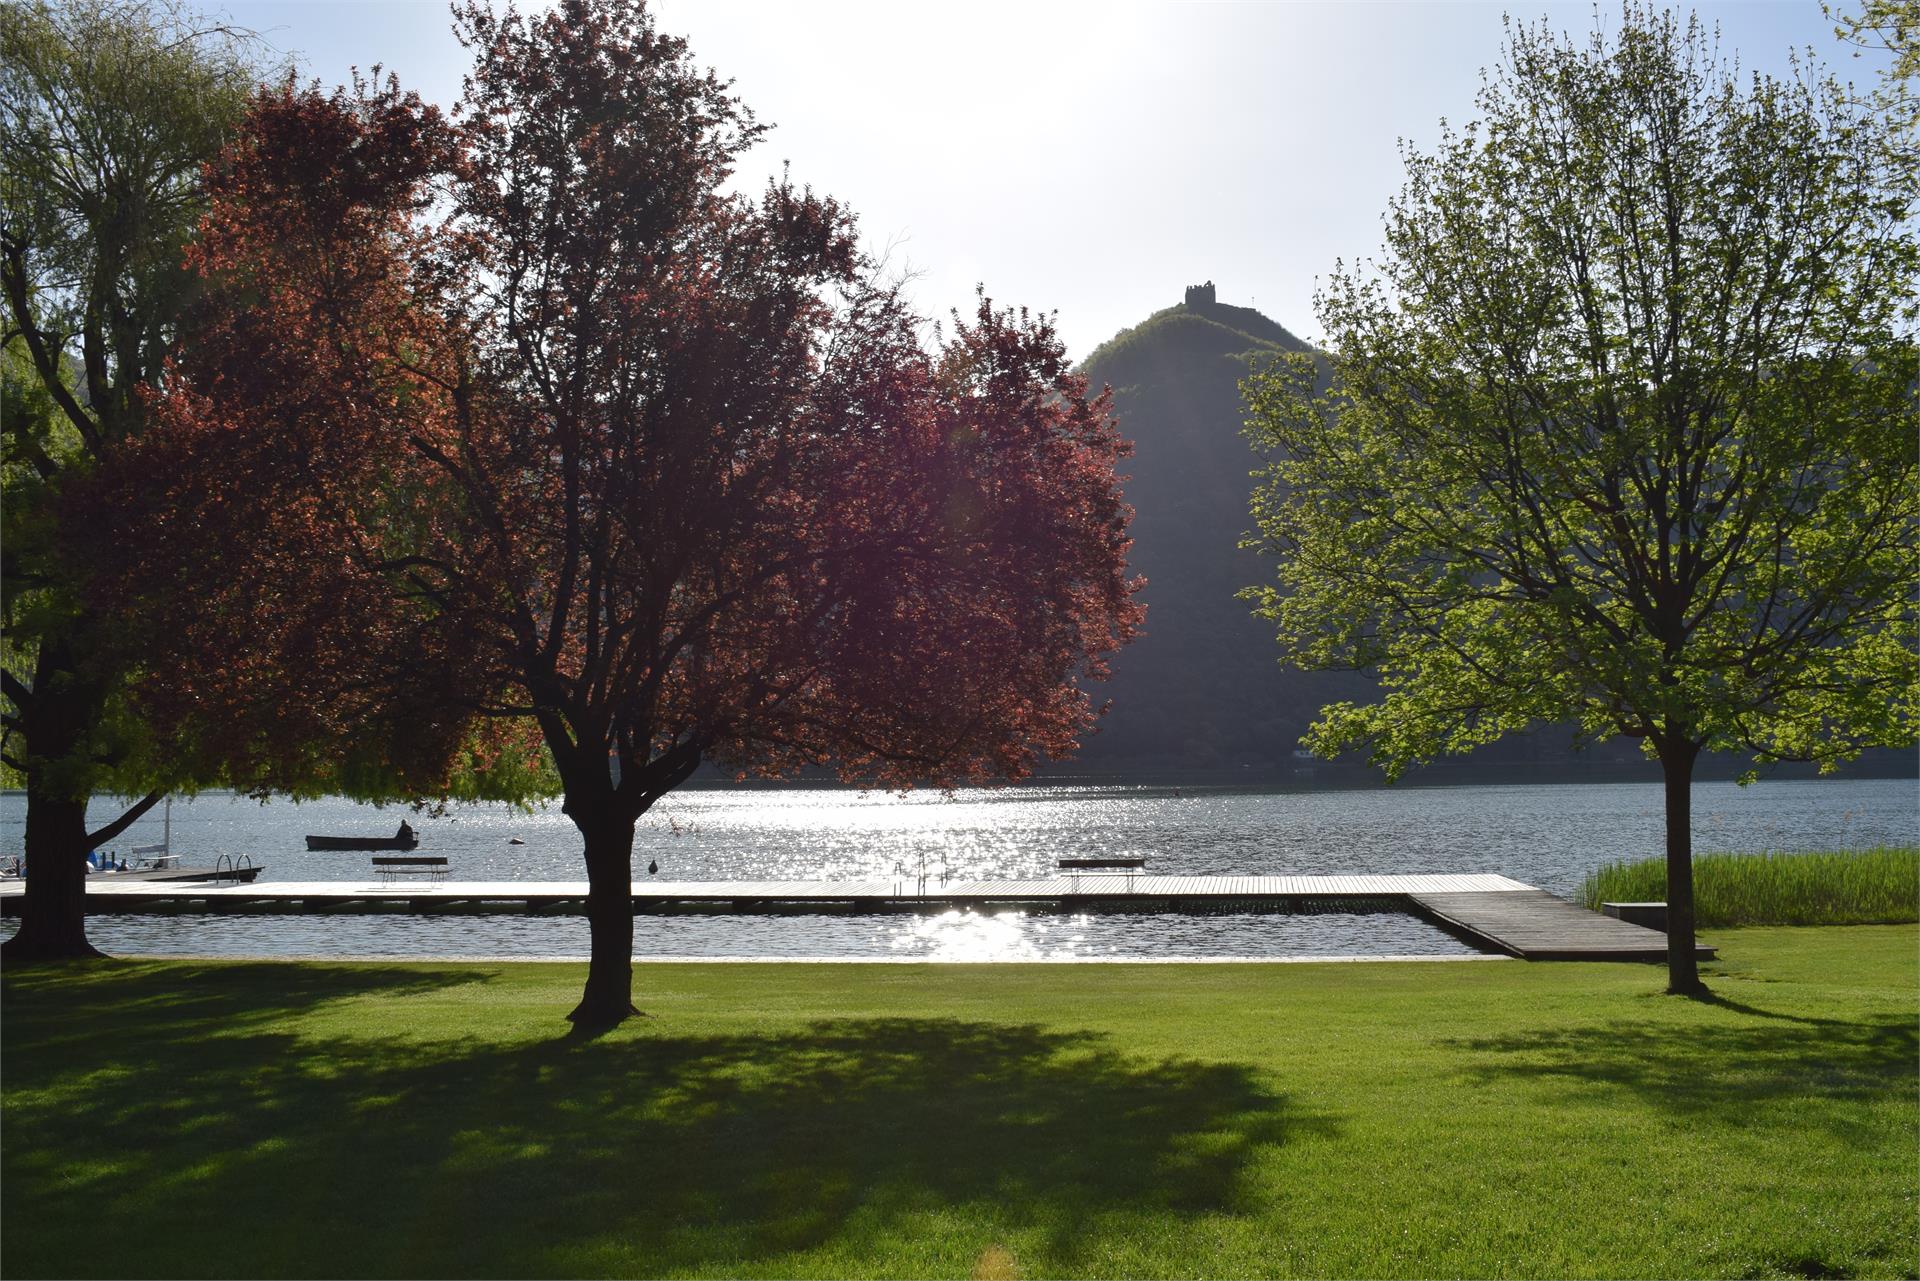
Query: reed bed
{"x": 1848, "y": 887}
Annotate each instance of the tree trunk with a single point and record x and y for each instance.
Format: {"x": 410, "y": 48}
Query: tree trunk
{"x": 608, "y": 998}
{"x": 53, "y": 914}
{"x": 1683, "y": 970}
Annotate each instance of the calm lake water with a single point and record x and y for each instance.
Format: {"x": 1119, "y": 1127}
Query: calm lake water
{"x": 1547, "y": 835}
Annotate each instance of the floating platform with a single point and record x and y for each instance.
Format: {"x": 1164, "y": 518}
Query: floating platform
{"x": 182, "y": 873}
{"x": 1492, "y": 911}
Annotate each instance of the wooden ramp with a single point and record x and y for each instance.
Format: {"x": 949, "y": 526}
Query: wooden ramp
{"x": 1536, "y": 926}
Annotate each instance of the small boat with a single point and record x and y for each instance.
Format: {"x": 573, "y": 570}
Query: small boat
{"x": 404, "y": 839}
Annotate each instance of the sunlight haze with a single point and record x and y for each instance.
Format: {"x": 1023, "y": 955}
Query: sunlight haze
{"x": 1088, "y": 160}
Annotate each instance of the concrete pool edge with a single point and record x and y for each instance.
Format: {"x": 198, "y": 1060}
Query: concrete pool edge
{"x": 450, "y": 959}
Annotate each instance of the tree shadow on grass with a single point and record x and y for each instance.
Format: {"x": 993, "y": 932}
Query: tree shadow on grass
{"x": 1753, "y": 1011}
{"x": 73, "y": 1001}
{"x": 1719, "y": 1071}
{"x": 641, "y": 1153}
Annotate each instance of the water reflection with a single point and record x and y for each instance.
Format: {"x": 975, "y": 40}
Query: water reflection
{"x": 947, "y": 936}
{"x": 1550, "y": 836}
{"x": 972, "y": 936}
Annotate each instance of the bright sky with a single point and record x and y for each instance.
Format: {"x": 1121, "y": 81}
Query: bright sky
{"x": 1088, "y": 159}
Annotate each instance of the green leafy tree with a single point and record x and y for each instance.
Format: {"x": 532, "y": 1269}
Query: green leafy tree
{"x": 108, "y": 110}
{"x": 1887, "y": 26}
{"x": 1621, "y": 428}
{"x": 1890, "y": 27}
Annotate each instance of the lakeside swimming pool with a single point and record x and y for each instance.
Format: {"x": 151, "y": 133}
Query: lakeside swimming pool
{"x": 1545, "y": 835}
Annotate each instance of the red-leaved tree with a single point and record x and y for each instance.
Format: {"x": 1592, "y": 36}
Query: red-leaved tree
{"x": 516, "y": 429}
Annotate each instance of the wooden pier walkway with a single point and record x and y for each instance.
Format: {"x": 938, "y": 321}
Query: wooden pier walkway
{"x": 1536, "y": 926}
{"x": 1492, "y": 911}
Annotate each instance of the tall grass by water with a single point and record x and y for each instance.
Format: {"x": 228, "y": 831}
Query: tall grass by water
{"x": 1852, "y": 887}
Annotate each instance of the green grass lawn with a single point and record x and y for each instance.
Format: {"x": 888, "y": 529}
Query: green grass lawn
{"x": 1420, "y": 1119}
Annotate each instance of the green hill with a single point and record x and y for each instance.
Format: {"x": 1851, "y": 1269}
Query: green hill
{"x": 1203, "y": 689}
{"x": 1191, "y": 331}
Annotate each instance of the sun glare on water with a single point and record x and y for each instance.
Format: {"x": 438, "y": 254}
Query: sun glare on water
{"x": 972, "y": 936}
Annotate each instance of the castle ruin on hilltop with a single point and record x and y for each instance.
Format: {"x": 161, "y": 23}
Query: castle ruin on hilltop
{"x": 1198, "y": 295}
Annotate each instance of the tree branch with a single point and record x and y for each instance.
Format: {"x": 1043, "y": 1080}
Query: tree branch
{"x": 126, "y": 820}
{"x": 14, "y": 688}
{"x": 13, "y": 273}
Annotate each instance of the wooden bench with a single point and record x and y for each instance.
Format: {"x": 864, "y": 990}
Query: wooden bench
{"x": 1651, "y": 915}
{"x": 1128, "y": 867}
{"x": 392, "y": 865}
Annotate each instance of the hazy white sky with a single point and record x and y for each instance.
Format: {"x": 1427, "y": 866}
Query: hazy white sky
{"x": 1088, "y": 159}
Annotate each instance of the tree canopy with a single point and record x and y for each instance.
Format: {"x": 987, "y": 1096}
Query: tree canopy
{"x": 1621, "y": 427}
{"x": 518, "y": 431}
{"x": 109, "y": 110}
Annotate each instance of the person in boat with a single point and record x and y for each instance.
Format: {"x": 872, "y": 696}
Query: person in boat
{"x": 405, "y": 834}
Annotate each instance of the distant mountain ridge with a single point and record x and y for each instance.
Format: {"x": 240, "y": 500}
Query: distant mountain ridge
{"x": 1203, "y": 688}
{"x": 1190, "y": 330}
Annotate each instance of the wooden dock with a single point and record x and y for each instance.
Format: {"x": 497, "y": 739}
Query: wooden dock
{"x": 1491, "y": 911}
{"x": 1536, "y": 926}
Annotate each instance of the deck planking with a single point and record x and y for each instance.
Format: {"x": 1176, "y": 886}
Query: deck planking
{"x": 1492, "y": 910}
{"x": 1536, "y": 926}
